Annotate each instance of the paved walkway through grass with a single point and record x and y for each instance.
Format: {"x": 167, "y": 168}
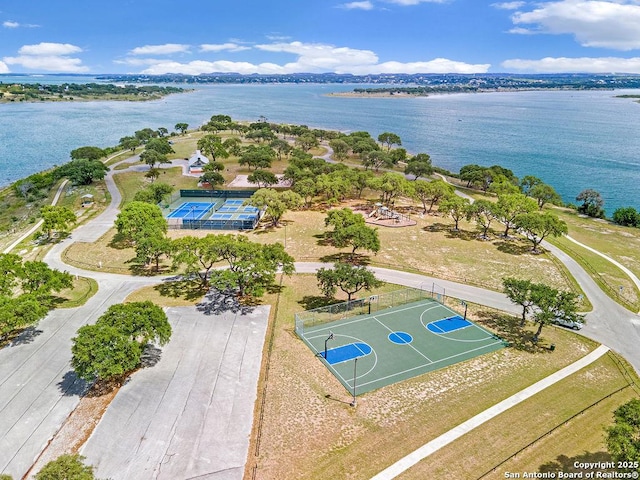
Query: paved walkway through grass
{"x": 446, "y": 438}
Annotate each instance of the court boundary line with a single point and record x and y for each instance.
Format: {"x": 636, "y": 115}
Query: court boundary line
{"x": 412, "y": 347}
{"x": 432, "y": 363}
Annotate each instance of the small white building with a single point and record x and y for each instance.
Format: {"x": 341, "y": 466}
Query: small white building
{"x": 197, "y": 162}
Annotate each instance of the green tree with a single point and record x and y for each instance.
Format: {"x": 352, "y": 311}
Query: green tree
{"x": 212, "y": 146}
{"x": 349, "y": 230}
{"x": 212, "y": 178}
{"x": 263, "y": 178}
{"x": 538, "y": 226}
{"x": 143, "y": 322}
{"x": 388, "y": 139}
{"x": 483, "y": 212}
{"x": 160, "y": 145}
{"x": 307, "y": 189}
{"x": 181, "y": 127}
{"x": 456, "y": 207}
{"x": 66, "y": 467}
{"x": 198, "y": 255}
{"x": 509, "y": 206}
{"x": 592, "y": 203}
{"x": 391, "y": 186}
{"x": 419, "y": 166}
{"x": 551, "y": 304}
{"x": 90, "y": 153}
{"x": 83, "y": 171}
{"x": 20, "y": 312}
{"x": 37, "y": 278}
{"x": 376, "y": 159}
{"x": 151, "y": 248}
{"x": 275, "y": 203}
{"x": 307, "y": 141}
{"x": 623, "y": 437}
{"x": 340, "y": 149}
{"x": 520, "y": 293}
{"x": 430, "y": 192}
{"x": 257, "y": 156}
{"x": 281, "y": 147}
{"x": 137, "y": 218}
{"x": 129, "y": 143}
{"x": 252, "y": 266}
{"x": 627, "y": 216}
{"x": 544, "y": 194}
{"x": 348, "y": 278}
{"x": 145, "y": 134}
{"x": 102, "y": 352}
{"x": 528, "y": 182}
{"x": 56, "y": 218}
{"x": 151, "y": 157}
{"x": 163, "y": 132}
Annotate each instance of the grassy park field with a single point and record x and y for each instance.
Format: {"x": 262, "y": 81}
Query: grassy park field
{"x": 304, "y": 426}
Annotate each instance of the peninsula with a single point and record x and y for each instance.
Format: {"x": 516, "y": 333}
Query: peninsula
{"x": 67, "y": 92}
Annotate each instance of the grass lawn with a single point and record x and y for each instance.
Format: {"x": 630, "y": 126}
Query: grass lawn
{"x": 306, "y": 429}
{"x": 496, "y": 440}
{"x": 620, "y": 243}
{"x": 82, "y": 290}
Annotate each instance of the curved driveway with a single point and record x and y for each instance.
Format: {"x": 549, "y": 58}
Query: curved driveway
{"x": 38, "y": 391}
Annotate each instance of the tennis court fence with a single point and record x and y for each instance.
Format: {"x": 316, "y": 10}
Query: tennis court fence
{"x": 364, "y": 306}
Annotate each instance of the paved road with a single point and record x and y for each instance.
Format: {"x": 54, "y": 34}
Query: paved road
{"x": 190, "y": 416}
{"x": 36, "y": 394}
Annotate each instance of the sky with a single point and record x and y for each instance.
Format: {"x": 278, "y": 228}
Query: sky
{"x": 316, "y": 36}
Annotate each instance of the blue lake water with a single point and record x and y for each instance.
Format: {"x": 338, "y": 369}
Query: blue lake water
{"x": 572, "y": 140}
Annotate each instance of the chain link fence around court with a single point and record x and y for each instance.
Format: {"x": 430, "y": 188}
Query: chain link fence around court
{"x": 364, "y": 306}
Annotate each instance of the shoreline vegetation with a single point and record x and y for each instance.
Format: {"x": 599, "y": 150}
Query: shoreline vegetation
{"x": 73, "y": 92}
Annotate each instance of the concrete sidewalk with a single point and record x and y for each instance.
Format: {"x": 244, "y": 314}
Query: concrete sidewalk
{"x": 446, "y": 438}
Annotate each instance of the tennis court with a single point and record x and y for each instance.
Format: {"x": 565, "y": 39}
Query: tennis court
{"x": 373, "y": 350}
{"x": 191, "y": 210}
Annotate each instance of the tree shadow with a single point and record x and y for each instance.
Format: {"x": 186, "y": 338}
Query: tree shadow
{"x": 188, "y": 289}
{"x": 461, "y": 234}
{"x": 216, "y": 302}
{"x": 512, "y": 247}
{"x": 346, "y": 257}
{"x": 71, "y": 385}
{"x": 25, "y": 337}
{"x": 310, "y": 302}
{"x": 509, "y": 329}
{"x": 143, "y": 270}
{"x": 566, "y": 464}
{"x": 437, "y": 227}
{"x": 323, "y": 239}
{"x": 151, "y": 355}
{"x": 119, "y": 242}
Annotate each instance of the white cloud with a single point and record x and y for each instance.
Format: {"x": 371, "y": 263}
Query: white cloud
{"x": 316, "y": 58}
{"x": 593, "y": 23}
{"x": 4, "y": 68}
{"x": 51, "y": 57}
{"x": 366, "y": 5}
{"x": 580, "y": 65}
{"x": 437, "y": 65}
{"x": 221, "y": 47}
{"x": 48, "y": 63}
{"x": 10, "y": 24}
{"x": 509, "y": 5}
{"x": 166, "y": 49}
{"x": 52, "y": 49}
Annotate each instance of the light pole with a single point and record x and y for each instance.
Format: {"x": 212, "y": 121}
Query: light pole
{"x": 355, "y": 369}
{"x": 325, "y": 344}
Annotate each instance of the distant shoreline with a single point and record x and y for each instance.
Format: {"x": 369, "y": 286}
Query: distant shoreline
{"x": 401, "y": 93}
{"x": 82, "y": 92}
